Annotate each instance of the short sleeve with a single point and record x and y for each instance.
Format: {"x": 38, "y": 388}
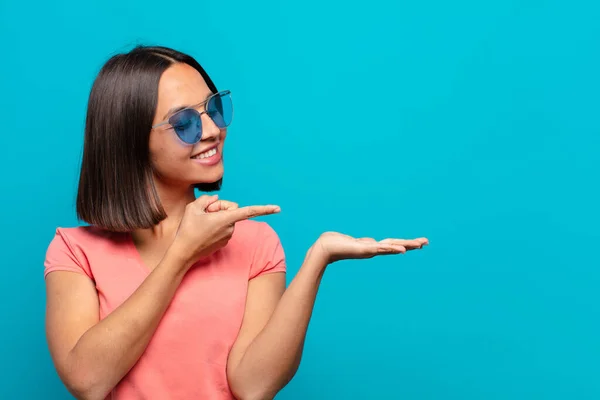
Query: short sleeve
{"x": 269, "y": 256}
{"x": 61, "y": 255}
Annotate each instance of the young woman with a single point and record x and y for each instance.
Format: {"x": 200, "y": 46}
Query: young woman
{"x": 165, "y": 295}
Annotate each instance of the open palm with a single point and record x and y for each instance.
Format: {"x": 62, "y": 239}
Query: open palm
{"x": 337, "y": 246}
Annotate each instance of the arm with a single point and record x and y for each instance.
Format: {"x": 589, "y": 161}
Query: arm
{"x": 91, "y": 357}
{"x": 267, "y": 352}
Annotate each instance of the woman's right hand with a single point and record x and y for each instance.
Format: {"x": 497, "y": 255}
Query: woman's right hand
{"x": 202, "y": 231}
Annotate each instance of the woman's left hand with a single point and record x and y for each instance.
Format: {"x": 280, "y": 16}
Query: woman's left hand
{"x": 333, "y": 246}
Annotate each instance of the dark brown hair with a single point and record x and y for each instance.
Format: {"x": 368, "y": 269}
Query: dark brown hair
{"x": 116, "y": 186}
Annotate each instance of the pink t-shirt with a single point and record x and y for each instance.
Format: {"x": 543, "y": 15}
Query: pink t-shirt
{"x": 187, "y": 356}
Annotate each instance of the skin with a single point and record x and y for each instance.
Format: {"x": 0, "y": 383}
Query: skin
{"x": 92, "y": 356}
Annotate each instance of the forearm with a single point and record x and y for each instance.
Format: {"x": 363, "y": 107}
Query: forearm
{"x": 107, "y": 351}
{"x": 273, "y": 357}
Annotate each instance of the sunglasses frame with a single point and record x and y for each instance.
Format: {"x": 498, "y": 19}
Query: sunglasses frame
{"x": 194, "y": 108}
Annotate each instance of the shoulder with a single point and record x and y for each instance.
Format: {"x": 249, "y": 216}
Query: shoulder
{"x": 83, "y": 240}
{"x": 254, "y": 232}
{"x": 260, "y": 241}
{"x": 71, "y": 249}
{"x": 85, "y": 236}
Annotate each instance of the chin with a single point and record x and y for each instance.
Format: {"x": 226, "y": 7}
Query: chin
{"x": 209, "y": 187}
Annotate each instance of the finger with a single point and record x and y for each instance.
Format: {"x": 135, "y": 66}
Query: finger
{"x": 204, "y": 201}
{"x": 375, "y": 248}
{"x": 390, "y": 249}
{"x": 409, "y": 244}
{"x": 221, "y": 205}
{"x": 423, "y": 241}
{"x": 251, "y": 212}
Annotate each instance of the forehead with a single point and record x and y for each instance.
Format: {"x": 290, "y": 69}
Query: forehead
{"x": 180, "y": 85}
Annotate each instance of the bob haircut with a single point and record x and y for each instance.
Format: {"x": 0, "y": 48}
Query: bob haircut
{"x": 116, "y": 184}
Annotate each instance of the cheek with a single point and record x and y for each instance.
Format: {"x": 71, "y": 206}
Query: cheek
{"x": 167, "y": 153}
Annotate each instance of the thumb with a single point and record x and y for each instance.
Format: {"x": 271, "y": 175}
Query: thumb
{"x": 204, "y": 201}
{"x": 222, "y": 205}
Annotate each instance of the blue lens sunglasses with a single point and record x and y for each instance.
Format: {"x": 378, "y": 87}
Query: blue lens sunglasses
{"x": 187, "y": 123}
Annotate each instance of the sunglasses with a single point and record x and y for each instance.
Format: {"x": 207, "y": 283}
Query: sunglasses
{"x": 187, "y": 123}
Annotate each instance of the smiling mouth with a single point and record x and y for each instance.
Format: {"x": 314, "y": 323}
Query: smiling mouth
{"x": 206, "y": 154}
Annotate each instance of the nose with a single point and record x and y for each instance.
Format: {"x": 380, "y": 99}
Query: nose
{"x": 210, "y": 131}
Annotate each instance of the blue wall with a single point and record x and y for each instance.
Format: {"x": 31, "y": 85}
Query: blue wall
{"x": 474, "y": 123}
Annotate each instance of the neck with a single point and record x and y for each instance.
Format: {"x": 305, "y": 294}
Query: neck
{"x": 174, "y": 200}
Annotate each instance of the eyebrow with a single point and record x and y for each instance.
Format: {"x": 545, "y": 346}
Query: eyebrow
{"x": 175, "y": 109}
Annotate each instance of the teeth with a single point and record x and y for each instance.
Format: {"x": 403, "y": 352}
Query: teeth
{"x": 206, "y": 154}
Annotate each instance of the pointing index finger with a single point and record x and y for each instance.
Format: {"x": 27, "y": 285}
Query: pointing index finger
{"x": 252, "y": 212}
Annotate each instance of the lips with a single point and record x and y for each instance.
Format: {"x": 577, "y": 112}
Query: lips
{"x": 211, "y": 151}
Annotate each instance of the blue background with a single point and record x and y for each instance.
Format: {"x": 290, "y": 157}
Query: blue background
{"x": 474, "y": 123}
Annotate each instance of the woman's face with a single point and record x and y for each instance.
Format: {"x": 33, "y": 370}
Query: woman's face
{"x": 174, "y": 161}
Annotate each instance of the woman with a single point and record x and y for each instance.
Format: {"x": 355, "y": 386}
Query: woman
{"x": 164, "y": 295}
